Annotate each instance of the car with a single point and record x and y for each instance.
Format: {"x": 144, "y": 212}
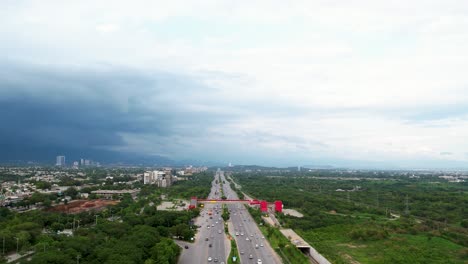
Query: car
{"x": 250, "y": 256}
{"x": 256, "y": 245}
{"x": 237, "y": 233}
{"x": 242, "y": 234}
{"x": 259, "y": 261}
{"x": 209, "y": 259}
{"x": 212, "y": 225}
{"x": 206, "y": 239}
{"x": 210, "y": 245}
{"x": 251, "y": 235}
{"x": 246, "y": 239}
{"x": 242, "y": 252}
{"x": 261, "y": 245}
{"x": 186, "y": 247}
{"x": 216, "y": 260}
{"x": 219, "y": 231}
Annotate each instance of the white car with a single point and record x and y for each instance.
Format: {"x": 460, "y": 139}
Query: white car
{"x": 259, "y": 261}
{"x": 209, "y": 259}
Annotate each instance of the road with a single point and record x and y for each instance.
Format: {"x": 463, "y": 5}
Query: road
{"x": 211, "y": 232}
{"x": 251, "y": 244}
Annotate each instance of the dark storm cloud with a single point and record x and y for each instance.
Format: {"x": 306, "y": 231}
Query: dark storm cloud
{"x": 58, "y": 108}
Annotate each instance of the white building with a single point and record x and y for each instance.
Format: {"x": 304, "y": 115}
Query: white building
{"x": 160, "y": 178}
{"x": 60, "y": 161}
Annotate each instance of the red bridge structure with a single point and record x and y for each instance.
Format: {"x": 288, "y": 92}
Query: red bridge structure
{"x": 278, "y": 205}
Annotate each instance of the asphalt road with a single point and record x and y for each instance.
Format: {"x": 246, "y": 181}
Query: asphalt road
{"x": 210, "y": 232}
{"x": 256, "y": 247}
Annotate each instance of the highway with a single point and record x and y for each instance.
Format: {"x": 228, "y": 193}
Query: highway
{"x": 251, "y": 243}
{"x": 211, "y": 244}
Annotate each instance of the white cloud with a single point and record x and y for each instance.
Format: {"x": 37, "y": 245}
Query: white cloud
{"x": 106, "y": 28}
{"x": 355, "y": 70}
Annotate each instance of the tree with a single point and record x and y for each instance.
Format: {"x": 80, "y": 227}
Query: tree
{"x": 72, "y": 192}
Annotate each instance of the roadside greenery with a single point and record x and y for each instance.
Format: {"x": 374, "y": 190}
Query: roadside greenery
{"x": 371, "y": 217}
{"x": 234, "y": 253}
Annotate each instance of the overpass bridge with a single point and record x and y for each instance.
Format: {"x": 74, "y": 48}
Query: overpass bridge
{"x": 278, "y": 205}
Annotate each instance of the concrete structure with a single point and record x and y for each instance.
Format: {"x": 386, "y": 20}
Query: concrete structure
{"x": 60, "y": 161}
{"x": 302, "y": 245}
{"x": 279, "y": 206}
{"x": 158, "y": 177}
{"x": 263, "y": 206}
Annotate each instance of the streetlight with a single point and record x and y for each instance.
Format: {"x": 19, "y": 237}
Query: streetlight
{"x": 17, "y": 245}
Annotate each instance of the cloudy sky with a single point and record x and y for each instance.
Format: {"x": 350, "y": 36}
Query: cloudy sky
{"x": 266, "y": 82}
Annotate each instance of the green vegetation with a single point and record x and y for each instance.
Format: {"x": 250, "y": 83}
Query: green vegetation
{"x": 132, "y": 231}
{"x": 373, "y": 217}
{"x": 225, "y": 214}
{"x": 234, "y": 253}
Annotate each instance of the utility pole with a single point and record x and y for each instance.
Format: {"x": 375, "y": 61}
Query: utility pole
{"x": 406, "y": 206}
{"x": 17, "y": 245}
{"x": 378, "y": 202}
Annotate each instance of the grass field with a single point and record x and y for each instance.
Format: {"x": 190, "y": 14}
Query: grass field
{"x": 335, "y": 243}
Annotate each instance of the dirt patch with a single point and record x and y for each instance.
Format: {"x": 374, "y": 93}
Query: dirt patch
{"x": 292, "y": 212}
{"x": 350, "y": 259}
{"x": 352, "y": 246}
{"x": 79, "y": 206}
{"x": 171, "y": 206}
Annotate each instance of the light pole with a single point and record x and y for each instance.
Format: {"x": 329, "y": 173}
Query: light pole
{"x": 17, "y": 245}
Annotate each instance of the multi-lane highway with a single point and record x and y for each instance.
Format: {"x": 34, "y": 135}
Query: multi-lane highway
{"x": 211, "y": 244}
{"x": 252, "y": 245}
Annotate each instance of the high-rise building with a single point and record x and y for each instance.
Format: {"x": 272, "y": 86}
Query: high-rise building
{"x": 60, "y": 161}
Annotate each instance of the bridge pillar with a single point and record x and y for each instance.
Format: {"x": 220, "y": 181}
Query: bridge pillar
{"x": 193, "y": 203}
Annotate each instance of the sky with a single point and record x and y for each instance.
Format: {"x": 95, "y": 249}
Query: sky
{"x": 284, "y": 83}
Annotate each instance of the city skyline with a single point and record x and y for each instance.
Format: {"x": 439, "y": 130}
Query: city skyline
{"x": 366, "y": 83}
